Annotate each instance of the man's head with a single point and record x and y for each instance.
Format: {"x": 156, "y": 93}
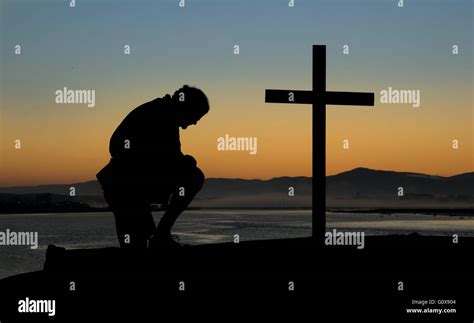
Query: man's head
{"x": 191, "y": 104}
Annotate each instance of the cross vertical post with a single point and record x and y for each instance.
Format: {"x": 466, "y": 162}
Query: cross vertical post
{"x": 319, "y": 143}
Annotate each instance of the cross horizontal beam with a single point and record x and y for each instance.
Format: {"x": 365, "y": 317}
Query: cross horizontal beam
{"x": 330, "y": 97}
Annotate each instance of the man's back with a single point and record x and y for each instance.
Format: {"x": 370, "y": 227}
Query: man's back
{"x": 148, "y": 135}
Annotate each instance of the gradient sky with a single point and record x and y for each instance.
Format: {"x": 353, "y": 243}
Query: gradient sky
{"x": 82, "y": 48}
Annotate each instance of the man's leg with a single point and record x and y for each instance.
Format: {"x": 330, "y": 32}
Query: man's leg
{"x": 133, "y": 219}
{"x": 187, "y": 188}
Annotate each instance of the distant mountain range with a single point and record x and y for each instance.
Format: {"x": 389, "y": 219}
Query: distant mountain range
{"x": 360, "y": 187}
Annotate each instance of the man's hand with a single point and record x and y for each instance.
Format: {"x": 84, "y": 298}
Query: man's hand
{"x": 189, "y": 160}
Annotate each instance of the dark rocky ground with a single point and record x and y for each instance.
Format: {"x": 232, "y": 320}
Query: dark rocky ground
{"x": 335, "y": 281}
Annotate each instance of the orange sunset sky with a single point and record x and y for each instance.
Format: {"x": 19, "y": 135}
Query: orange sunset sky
{"x": 69, "y": 143}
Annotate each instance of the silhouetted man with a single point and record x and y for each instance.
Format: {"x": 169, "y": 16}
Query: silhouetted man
{"x": 147, "y": 166}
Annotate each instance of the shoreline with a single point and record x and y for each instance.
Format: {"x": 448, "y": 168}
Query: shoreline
{"x": 362, "y": 210}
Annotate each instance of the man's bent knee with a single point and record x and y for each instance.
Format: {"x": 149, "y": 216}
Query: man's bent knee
{"x": 198, "y": 177}
{"x": 194, "y": 180}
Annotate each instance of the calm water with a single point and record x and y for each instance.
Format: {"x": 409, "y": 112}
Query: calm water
{"x": 96, "y": 230}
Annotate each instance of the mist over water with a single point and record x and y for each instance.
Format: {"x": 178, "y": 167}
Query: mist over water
{"x": 97, "y": 230}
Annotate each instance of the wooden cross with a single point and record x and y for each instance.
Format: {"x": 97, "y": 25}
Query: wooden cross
{"x": 319, "y": 98}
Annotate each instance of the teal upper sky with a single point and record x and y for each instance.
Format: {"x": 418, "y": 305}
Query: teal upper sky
{"x": 170, "y": 44}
